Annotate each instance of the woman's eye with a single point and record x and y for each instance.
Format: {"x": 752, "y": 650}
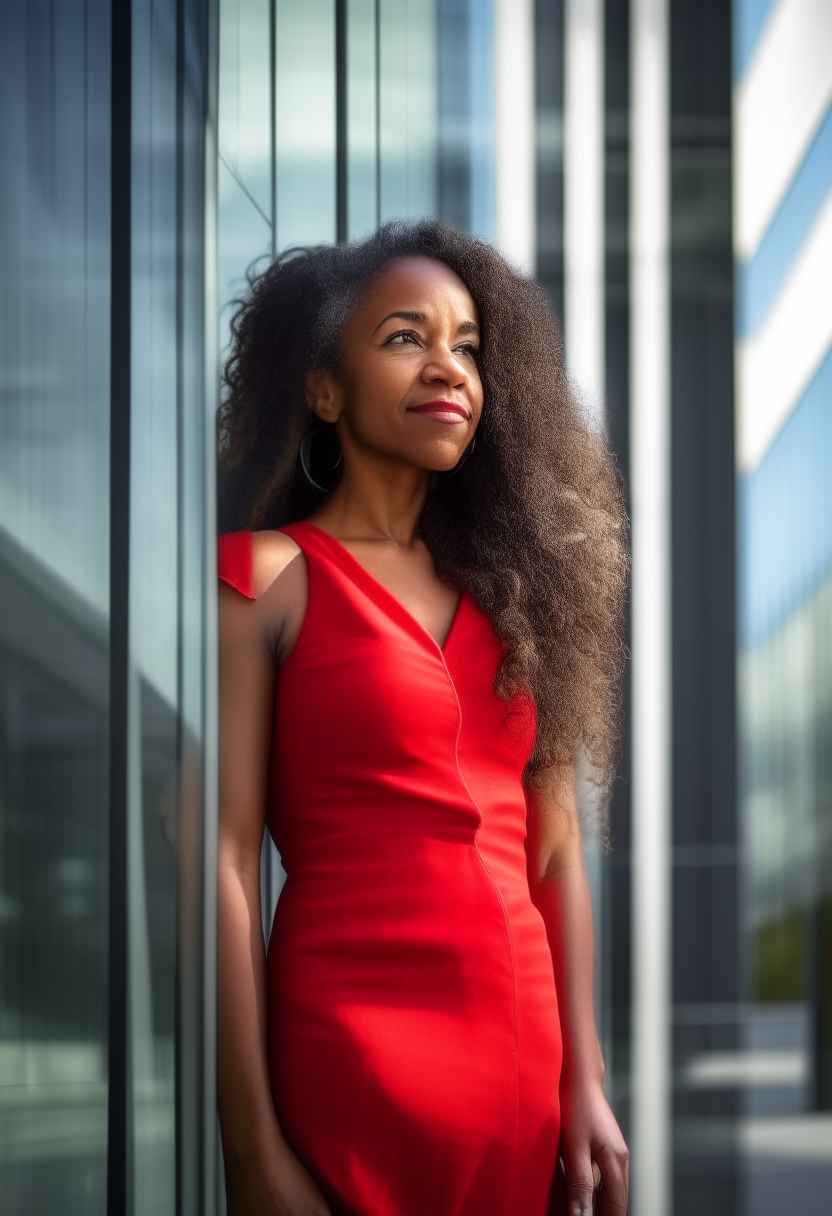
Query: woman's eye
{"x": 467, "y": 348}
{"x": 401, "y": 336}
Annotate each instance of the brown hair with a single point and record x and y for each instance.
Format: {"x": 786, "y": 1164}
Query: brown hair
{"x": 533, "y": 525}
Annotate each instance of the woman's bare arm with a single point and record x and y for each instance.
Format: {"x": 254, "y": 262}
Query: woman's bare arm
{"x": 557, "y": 878}
{"x": 264, "y": 1178}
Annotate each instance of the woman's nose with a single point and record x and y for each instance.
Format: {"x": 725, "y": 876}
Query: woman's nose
{"x": 445, "y": 366}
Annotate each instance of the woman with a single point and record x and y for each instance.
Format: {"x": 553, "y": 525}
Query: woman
{"x": 420, "y": 629}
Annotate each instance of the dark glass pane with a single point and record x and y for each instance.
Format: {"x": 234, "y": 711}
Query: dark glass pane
{"x": 54, "y": 594}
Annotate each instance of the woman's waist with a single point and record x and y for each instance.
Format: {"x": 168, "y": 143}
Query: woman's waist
{"x": 425, "y": 904}
{"x": 337, "y": 858}
{"x": 362, "y": 827}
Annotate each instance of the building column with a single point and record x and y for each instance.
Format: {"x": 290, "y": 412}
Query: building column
{"x": 651, "y": 674}
{"x": 514, "y": 132}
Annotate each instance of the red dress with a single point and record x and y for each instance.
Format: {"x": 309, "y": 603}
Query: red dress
{"x": 414, "y": 1038}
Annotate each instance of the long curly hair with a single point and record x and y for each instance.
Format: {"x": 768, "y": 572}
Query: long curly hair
{"x": 533, "y": 525}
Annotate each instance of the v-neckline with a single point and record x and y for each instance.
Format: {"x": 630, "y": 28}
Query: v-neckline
{"x": 375, "y": 585}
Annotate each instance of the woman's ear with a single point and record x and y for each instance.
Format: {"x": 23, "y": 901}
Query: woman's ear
{"x": 323, "y": 395}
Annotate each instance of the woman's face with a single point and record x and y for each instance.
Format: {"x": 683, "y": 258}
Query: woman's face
{"x": 409, "y": 387}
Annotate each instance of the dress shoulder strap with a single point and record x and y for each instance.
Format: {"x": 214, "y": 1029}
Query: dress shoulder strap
{"x": 234, "y": 561}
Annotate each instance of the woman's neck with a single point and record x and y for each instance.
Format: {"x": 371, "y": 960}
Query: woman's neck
{"x": 381, "y": 500}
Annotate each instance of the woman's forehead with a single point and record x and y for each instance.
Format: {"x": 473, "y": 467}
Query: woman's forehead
{"x": 417, "y": 279}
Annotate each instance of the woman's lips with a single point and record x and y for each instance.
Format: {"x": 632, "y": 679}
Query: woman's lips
{"x": 442, "y": 411}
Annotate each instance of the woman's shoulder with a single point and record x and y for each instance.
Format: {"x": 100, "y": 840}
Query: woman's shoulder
{"x": 251, "y": 561}
{"x": 271, "y": 553}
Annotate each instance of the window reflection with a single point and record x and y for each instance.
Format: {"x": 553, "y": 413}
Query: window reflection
{"x": 783, "y": 199}
{"x": 53, "y": 914}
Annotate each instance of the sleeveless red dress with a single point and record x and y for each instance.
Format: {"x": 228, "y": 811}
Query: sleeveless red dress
{"x": 414, "y": 1038}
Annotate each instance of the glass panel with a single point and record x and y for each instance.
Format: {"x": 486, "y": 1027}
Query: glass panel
{"x": 245, "y": 129}
{"x": 152, "y": 721}
{"x": 786, "y": 715}
{"x": 785, "y": 465}
{"x": 201, "y": 1192}
{"x": 54, "y": 592}
{"x": 245, "y": 212}
{"x": 245, "y": 235}
{"x": 171, "y": 829}
{"x": 465, "y": 83}
{"x": 454, "y": 72}
{"x": 549, "y": 56}
{"x": 362, "y": 117}
{"x": 245, "y": 137}
{"x": 408, "y": 107}
{"x": 482, "y": 117}
{"x": 305, "y": 122}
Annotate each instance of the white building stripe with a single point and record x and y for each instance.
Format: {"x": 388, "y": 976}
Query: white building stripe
{"x": 584, "y": 198}
{"x": 514, "y": 122}
{"x": 778, "y": 105}
{"x": 775, "y": 367}
{"x": 651, "y": 675}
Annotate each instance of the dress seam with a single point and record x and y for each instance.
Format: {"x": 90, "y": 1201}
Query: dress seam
{"x": 499, "y": 894}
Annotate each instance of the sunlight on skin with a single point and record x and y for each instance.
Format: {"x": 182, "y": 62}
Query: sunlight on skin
{"x": 407, "y": 402}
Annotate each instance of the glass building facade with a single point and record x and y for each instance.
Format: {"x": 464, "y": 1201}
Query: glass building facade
{"x": 665, "y": 168}
{"x": 106, "y": 484}
{"x": 783, "y": 239}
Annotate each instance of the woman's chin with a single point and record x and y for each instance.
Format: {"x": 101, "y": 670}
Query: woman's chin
{"x": 444, "y": 461}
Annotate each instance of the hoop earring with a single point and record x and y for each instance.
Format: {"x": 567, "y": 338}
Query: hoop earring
{"x": 453, "y": 472}
{"x": 306, "y": 454}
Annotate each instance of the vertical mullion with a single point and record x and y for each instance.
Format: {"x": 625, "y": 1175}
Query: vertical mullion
{"x": 273, "y": 118}
{"x": 378, "y": 109}
{"x": 583, "y": 172}
{"x": 651, "y": 603}
{"x": 515, "y": 216}
{"x": 120, "y": 341}
{"x": 183, "y": 1182}
{"x": 341, "y": 162}
{"x": 617, "y": 892}
{"x": 211, "y": 1197}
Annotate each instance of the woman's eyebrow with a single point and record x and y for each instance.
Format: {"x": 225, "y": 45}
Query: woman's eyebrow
{"x": 465, "y": 327}
{"x": 417, "y": 317}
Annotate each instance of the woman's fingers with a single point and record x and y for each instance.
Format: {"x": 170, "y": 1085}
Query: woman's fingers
{"x": 614, "y": 1170}
{"x": 580, "y": 1183}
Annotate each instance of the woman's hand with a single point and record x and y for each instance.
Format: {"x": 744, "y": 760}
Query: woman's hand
{"x": 591, "y": 1136}
{"x": 276, "y": 1186}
